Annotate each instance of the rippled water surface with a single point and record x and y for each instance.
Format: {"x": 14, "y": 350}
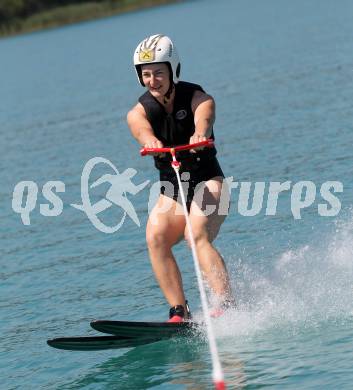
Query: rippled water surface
{"x": 281, "y": 74}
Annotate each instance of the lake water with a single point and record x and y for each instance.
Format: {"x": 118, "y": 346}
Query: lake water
{"x": 282, "y": 76}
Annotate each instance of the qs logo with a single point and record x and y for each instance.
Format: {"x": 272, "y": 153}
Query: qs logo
{"x": 25, "y": 195}
{"x": 120, "y": 184}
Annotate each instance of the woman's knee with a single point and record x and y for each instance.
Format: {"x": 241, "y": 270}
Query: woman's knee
{"x": 162, "y": 238}
{"x": 155, "y": 239}
{"x": 200, "y": 236}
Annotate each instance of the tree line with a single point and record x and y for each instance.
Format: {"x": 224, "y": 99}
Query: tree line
{"x": 12, "y": 10}
{"x": 18, "y": 16}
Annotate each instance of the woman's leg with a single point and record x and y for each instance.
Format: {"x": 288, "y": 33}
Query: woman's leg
{"x": 165, "y": 229}
{"x": 207, "y": 213}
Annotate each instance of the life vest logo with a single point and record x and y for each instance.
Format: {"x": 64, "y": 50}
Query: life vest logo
{"x": 146, "y": 55}
{"x": 181, "y": 114}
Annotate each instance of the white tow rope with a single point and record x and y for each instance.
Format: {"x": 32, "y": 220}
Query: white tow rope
{"x": 217, "y": 372}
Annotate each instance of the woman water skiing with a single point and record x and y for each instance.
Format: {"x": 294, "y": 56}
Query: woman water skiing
{"x": 171, "y": 113}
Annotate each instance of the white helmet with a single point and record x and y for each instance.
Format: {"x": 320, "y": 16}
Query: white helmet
{"x": 154, "y": 49}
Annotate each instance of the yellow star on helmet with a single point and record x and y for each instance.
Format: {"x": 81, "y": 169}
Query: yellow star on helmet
{"x": 146, "y": 55}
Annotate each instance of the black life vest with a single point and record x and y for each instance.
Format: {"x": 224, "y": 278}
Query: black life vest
{"x": 175, "y": 128}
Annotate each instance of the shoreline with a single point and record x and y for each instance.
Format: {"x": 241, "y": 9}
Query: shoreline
{"x": 75, "y": 13}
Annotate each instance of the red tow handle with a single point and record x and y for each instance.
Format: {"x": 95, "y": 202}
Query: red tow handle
{"x": 209, "y": 143}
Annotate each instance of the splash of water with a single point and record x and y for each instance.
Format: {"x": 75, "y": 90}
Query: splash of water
{"x": 305, "y": 287}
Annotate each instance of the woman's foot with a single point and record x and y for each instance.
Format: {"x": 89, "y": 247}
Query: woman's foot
{"x": 221, "y": 308}
{"x": 179, "y": 314}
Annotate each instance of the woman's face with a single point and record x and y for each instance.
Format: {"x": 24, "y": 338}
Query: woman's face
{"x": 156, "y": 78}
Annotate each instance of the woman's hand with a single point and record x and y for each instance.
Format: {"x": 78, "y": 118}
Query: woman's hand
{"x": 154, "y": 143}
{"x": 197, "y": 138}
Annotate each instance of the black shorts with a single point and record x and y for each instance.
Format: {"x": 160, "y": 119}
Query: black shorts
{"x": 191, "y": 175}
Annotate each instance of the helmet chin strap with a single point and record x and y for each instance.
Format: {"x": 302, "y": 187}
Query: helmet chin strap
{"x": 167, "y": 95}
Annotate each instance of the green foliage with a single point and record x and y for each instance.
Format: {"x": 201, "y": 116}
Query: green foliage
{"x": 29, "y": 15}
{"x": 14, "y": 9}
{"x": 10, "y": 8}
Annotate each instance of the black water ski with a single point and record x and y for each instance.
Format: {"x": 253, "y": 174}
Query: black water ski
{"x": 97, "y": 343}
{"x": 163, "y": 330}
{"x": 126, "y": 334}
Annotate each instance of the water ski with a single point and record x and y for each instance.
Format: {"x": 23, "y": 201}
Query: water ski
{"x": 126, "y": 334}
